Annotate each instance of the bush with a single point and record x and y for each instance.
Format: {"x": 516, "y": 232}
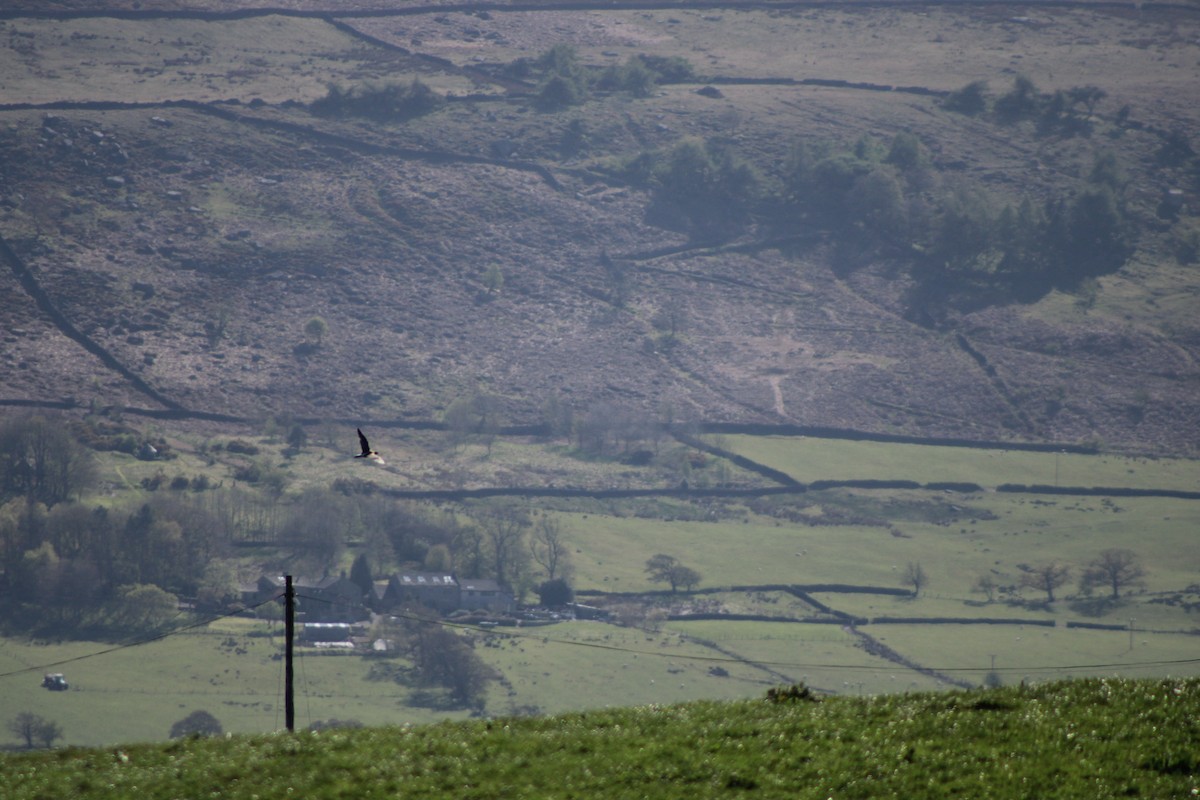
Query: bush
{"x": 384, "y": 102}
{"x": 1186, "y": 240}
{"x": 560, "y": 91}
{"x": 970, "y": 99}
{"x": 564, "y": 81}
{"x": 633, "y": 76}
{"x": 1021, "y": 102}
{"x": 198, "y": 723}
{"x": 555, "y": 593}
{"x": 712, "y": 187}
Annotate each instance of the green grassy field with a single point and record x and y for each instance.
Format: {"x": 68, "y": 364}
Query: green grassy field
{"x": 809, "y": 459}
{"x": 585, "y": 665}
{"x": 137, "y": 694}
{"x": 824, "y": 657}
{"x": 1078, "y": 739}
{"x": 1029, "y": 653}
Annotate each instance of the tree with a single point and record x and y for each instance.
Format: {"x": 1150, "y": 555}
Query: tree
{"x": 444, "y": 658}
{"x": 663, "y": 568}
{"x": 35, "y": 729}
{"x": 315, "y": 329}
{"x": 474, "y": 418}
{"x": 360, "y": 573}
{"x": 672, "y": 315}
{"x": 1115, "y": 568}
{"x": 986, "y": 586}
{"x": 560, "y": 91}
{"x": 493, "y": 279}
{"x": 142, "y": 607}
{"x": 914, "y": 576}
{"x": 297, "y": 437}
{"x": 197, "y": 723}
{"x": 555, "y": 593}
{"x": 711, "y": 186}
{"x": 550, "y": 550}
{"x": 906, "y": 152}
{"x": 1045, "y": 577}
{"x": 318, "y": 526}
{"x": 39, "y": 459}
{"x": 1021, "y": 102}
{"x": 1088, "y": 236}
{"x": 503, "y": 531}
{"x": 1089, "y": 96}
{"x": 565, "y": 82}
{"x": 47, "y": 733}
{"x": 970, "y": 99}
{"x": 25, "y": 726}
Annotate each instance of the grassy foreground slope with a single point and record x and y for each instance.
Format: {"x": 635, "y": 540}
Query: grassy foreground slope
{"x": 1091, "y": 738}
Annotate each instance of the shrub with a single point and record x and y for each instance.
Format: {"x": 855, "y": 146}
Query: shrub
{"x": 970, "y": 99}
{"x": 198, "y": 723}
{"x": 383, "y": 102}
{"x": 711, "y": 186}
{"x": 559, "y": 91}
{"x": 555, "y": 593}
{"x": 1021, "y": 102}
{"x": 315, "y": 329}
{"x": 795, "y": 693}
{"x": 1186, "y": 240}
{"x": 564, "y": 81}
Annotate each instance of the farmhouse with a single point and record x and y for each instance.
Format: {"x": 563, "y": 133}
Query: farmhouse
{"x": 436, "y": 590}
{"x": 481, "y": 593}
{"x": 339, "y": 599}
{"x": 331, "y": 599}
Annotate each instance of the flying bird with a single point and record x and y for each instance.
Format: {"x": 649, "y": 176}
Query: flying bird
{"x": 367, "y": 452}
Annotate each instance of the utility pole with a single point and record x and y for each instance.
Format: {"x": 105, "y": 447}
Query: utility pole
{"x": 289, "y": 630}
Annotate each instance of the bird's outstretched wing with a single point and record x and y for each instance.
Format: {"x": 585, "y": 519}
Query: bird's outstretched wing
{"x": 367, "y": 452}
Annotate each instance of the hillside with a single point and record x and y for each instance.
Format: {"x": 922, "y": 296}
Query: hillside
{"x": 175, "y": 214}
{"x": 1090, "y": 739}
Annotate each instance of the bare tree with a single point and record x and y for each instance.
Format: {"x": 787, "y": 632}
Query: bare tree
{"x": 27, "y": 726}
{"x": 549, "y": 549}
{"x": 474, "y": 418}
{"x": 24, "y": 726}
{"x": 671, "y": 317}
{"x": 504, "y": 533}
{"x": 1046, "y": 578}
{"x": 1115, "y": 568}
{"x": 317, "y": 528}
{"x": 48, "y": 732}
{"x": 914, "y": 576}
{"x": 985, "y": 585}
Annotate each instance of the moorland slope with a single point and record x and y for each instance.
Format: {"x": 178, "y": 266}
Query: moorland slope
{"x": 176, "y": 213}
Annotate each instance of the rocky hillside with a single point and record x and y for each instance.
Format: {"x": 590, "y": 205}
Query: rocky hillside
{"x": 184, "y": 232}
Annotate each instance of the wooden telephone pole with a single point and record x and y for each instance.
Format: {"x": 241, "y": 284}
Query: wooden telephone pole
{"x": 289, "y": 630}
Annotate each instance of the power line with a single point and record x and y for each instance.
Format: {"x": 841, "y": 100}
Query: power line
{"x": 125, "y": 646}
{"x": 630, "y": 650}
